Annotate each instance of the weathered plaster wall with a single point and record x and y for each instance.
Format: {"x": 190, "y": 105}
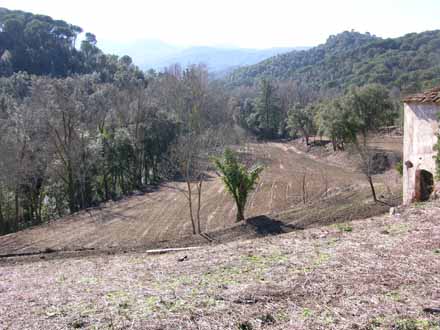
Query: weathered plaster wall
{"x": 420, "y": 136}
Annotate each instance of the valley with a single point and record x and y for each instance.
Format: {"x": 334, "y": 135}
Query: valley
{"x": 149, "y": 182}
{"x": 160, "y": 217}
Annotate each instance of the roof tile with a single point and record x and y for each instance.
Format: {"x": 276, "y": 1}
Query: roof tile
{"x": 431, "y": 96}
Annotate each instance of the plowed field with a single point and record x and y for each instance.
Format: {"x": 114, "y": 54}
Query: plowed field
{"x": 163, "y": 213}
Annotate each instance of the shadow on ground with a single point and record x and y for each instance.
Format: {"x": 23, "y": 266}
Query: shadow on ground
{"x": 263, "y": 225}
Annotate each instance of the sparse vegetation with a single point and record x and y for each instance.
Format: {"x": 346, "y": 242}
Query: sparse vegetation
{"x": 140, "y": 220}
{"x": 399, "y": 167}
{"x": 299, "y": 279}
{"x": 345, "y": 228}
{"x": 245, "y": 326}
{"x": 414, "y": 324}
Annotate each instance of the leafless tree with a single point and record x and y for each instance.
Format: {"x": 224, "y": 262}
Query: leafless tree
{"x": 304, "y": 186}
{"x": 366, "y": 155}
{"x": 67, "y": 144}
{"x": 191, "y": 158}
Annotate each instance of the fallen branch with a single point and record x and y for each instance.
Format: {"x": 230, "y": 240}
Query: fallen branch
{"x": 432, "y": 310}
{"x": 46, "y": 251}
{"x": 161, "y": 251}
{"x": 207, "y": 237}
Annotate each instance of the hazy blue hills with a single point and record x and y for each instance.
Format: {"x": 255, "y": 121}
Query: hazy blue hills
{"x": 155, "y": 54}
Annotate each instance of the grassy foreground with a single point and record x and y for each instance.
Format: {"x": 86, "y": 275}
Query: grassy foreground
{"x": 378, "y": 273}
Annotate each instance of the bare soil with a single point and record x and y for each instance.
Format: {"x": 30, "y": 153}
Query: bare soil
{"x": 333, "y": 193}
{"x": 294, "y": 264}
{"x": 377, "y": 273}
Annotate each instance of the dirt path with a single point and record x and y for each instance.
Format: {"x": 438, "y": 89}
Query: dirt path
{"x": 163, "y": 214}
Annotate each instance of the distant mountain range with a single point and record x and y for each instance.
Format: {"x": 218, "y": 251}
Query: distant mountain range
{"x": 154, "y": 54}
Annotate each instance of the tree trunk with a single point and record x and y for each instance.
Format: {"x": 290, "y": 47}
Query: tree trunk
{"x": 31, "y": 209}
{"x": 146, "y": 172}
{"x": 334, "y": 144}
{"x": 155, "y": 176}
{"x": 2, "y": 218}
{"x": 114, "y": 184}
{"x": 240, "y": 203}
{"x": 366, "y": 160}
{"x": 39, "y": 201}
{"x": 71, "y": 190}
{"x": 199, "y": 202}
{"x": 373, "y": 190}
{"x": 303, "y": 188}
{"x": 122, "y": 183}
{"x": 106, "y": 192}
{"x": 240, "y": 213}
{"x": 39, "y": 206}
{"x": 191, "y": 215}
{"x": 17, "y": 210}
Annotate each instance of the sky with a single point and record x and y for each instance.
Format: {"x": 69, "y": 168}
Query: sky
{"x": 241, "y": 23}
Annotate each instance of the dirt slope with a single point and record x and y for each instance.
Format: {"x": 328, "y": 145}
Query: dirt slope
{"x": 162, "y": 214}
{"x": 378, "y": 273}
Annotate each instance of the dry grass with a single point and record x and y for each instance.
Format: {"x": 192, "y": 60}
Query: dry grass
{"x": 377, "y": 273}
{"x": 370, "y": 274}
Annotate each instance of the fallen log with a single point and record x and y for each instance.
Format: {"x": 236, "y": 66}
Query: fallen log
{"x": 432, "y": 310}
{"x": 169, "y": 250}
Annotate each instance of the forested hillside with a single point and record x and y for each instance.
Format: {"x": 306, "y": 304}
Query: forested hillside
{"x": 37, "y": 44}
{"x": 40, "y": 45}
{"x": 79, "y": 127}
{"x": 410, "y": 63}
{"x": 71, "y": 143}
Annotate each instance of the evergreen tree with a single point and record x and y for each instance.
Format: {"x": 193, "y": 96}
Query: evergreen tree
{"x": 268, "y": 110}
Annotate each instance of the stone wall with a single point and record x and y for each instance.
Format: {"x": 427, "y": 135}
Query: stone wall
{"x": 420, "y": 136}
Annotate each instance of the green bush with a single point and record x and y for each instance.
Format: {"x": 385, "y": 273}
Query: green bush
{"x": 399, "y": 167}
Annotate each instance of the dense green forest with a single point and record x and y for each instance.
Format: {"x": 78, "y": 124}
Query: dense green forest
{"x": 40, "y": 45}
{"x": 409, "y": 63}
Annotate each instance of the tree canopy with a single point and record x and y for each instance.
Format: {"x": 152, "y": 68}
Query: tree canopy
{"x": 41, "y": 45}
{"x": 37, "y": 44}
{"x": 410, "y": 63}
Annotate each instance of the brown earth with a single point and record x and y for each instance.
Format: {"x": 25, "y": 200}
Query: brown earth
{"x": 377, "y": 273}
{"x": 334, "y": 193}
{"x": 321, "y": 149}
